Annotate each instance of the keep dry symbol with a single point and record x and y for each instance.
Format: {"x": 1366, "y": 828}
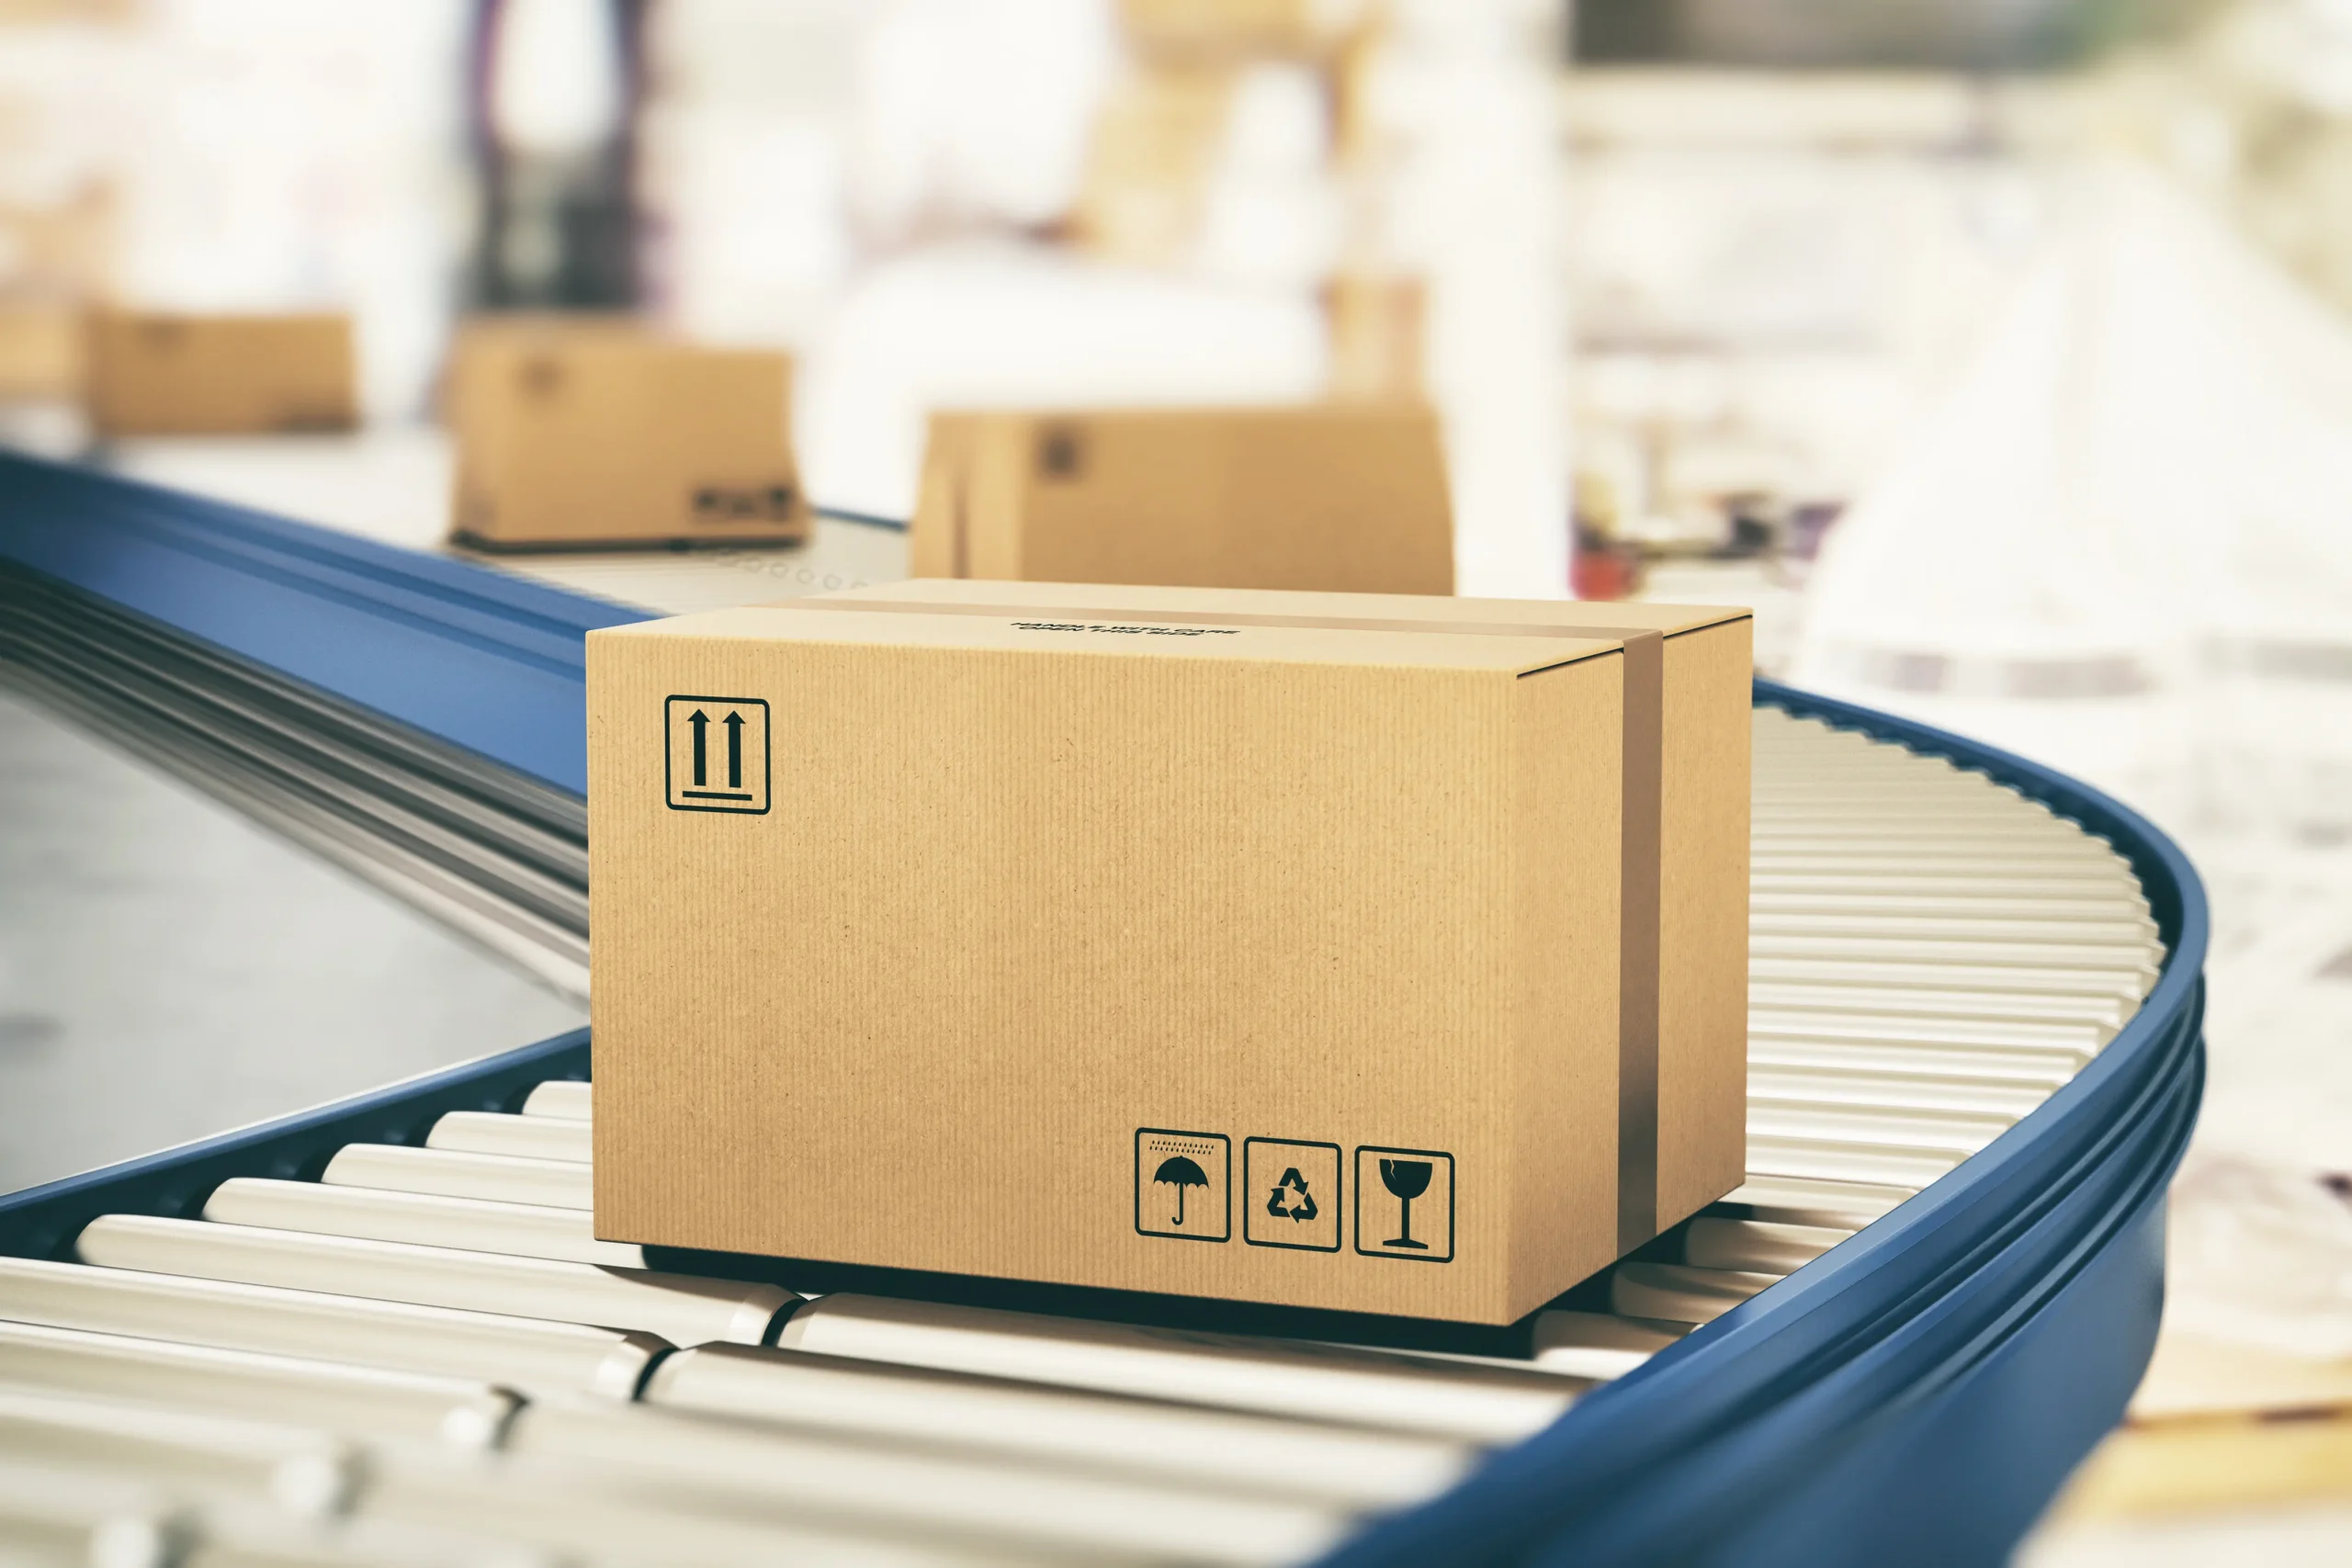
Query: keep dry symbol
{"x": 1183, "y": 1173}
{"x": 1291, "y": 1197}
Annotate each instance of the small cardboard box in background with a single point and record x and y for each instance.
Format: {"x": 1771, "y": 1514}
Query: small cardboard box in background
{"x": 1261, "y": 947}
{"x": 1341, "y": 498}
{"x": 40, "y": 351}
{"x": 597, "y": 432}
{"x": 156, "y": 372}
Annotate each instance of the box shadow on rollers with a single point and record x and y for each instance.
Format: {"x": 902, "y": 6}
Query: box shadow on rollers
{"x": 1375, "y": 952}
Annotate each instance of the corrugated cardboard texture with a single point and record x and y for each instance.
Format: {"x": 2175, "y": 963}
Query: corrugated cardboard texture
{"x": 1345, "y": 498}
{"x": 592, "y": 430}
{"x": 152, "y": 373}
{"x": 1023, "y": 901}
{"x": 1700, "y": 1011}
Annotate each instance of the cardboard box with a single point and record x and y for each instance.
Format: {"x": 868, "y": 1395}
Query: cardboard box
{"x": 1377, "y": 324}
{"x": 597, "y": 432}
{"x": 154, "y": 373}
{"x": 1154, "y": 145}
{"x": 1233, "y": 28}
{"x": 40, "y": 351}
{"x": 1117, "y": 937}
{"x": 1340, "y": 497}
{"x": 1689, "y": 994}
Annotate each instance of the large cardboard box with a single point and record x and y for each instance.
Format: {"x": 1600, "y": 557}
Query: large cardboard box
{"x": 1683, "y": 1038}
{"x": 156, "y": 372}
{"x": 597, "y": 432}
{"x": 1263, "y": 947}
{"x": 1340, "y": 497}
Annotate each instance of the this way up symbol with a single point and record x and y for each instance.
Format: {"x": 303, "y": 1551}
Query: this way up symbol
{"x": 701, "y": 722}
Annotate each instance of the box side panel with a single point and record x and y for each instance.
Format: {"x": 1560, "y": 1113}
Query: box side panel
{"x": 634, "y": 1065}
{"x": 1702, "y": 1004}
{"x": 1567, "y": 747}
{"x": 933, "y": 536}
{"x": 1009, "y": 918}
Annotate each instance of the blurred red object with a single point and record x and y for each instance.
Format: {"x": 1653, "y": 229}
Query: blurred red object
{"x": 1602, "y": 566}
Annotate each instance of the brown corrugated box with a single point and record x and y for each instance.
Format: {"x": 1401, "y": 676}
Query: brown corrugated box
{"x": 1705, "y": 664}
{"x": 1337, "y": 498}
{"x": 160, "y": 373}
{"x": 41, "y": 350}
{"x": 1233, "y": 28}
{"x": 1254, "y": 946}
{"x": 1154, "y": 143}
{"x": 593, "y": 431}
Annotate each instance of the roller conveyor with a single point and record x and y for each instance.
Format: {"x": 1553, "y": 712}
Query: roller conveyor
{"x": 1974, "y": 1059}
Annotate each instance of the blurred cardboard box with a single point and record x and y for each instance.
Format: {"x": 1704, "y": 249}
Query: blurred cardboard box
{"x": 1335, "y": 497}
{"x": 57, "y": 250}
{"x": 40, "y": 351}
{"x": 1376, "y": 328}
{"x": 1155, "y": 142}
{"x": 1231, "y": 28}
{"x": 156, "y": 373}
{"x": 1259, "y": 947}
{"x": 597, "y": 432}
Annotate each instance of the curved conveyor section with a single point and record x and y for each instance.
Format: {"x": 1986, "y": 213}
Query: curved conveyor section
{"x": 1975, "y": 1059}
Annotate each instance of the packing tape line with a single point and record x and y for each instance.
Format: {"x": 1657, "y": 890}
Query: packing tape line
{"x": 1640, "y": 869}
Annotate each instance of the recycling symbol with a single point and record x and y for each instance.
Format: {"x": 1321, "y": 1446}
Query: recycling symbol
{"x": 1291, "y": 1197}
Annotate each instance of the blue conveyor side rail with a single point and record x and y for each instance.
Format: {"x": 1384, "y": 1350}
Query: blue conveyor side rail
{"x": 1916, "y": 1396}
{"x": 487, "y": 662}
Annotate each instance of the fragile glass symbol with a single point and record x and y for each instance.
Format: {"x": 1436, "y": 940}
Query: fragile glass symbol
{"x": 1180, "y": 1173}
{"x": 1405, "y": 1180}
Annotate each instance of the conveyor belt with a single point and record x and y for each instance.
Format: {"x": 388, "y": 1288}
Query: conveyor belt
{"x": 385, "y": 1330}
{"x": 415, "y": 720}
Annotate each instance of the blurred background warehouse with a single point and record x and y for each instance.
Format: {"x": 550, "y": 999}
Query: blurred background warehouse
{"x": 1998, "y": 351}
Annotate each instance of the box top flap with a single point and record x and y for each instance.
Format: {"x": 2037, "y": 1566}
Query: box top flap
{"x": 1565, "y": 614}
{"x": 1203, "y": 633}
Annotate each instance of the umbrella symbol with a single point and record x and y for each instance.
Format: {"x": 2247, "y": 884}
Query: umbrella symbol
{"x": 1183, "y": 1173}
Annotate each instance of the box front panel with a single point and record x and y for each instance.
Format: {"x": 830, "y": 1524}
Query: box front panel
{"x": 1114, "y": 498}
{"x": 605, "y": 438}
{"x": 218, "y": 375}
{"x": 1041, "y": 966}
{"x": 1294, "y": 499}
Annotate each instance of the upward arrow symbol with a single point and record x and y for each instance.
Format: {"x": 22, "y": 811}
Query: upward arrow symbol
{"x": 701, "y": 722}
{"x": 734, "y": 749}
